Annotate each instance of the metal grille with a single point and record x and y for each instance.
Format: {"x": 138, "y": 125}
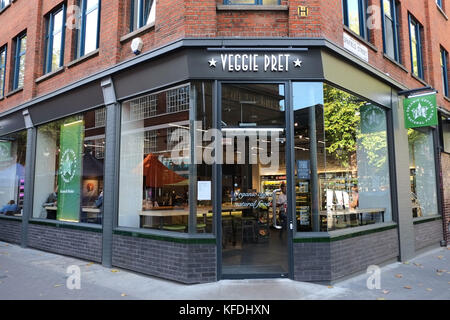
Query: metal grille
{"x": 100, "y": 117}
{"x": 178, "y": 99}
{"x": 144, "y": 107}
{"x": 99, "y": 148}
{"x": 150, "y": 142}
{"x": 175, "y": 136}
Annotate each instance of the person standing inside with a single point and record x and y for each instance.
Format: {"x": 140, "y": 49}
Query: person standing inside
{"x": 282, "y": 205}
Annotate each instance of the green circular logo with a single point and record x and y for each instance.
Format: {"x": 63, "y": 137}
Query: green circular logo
{"x": 419, "y": 112}
{"x": 68, "y": 165}
{"x": 372, "y": 119}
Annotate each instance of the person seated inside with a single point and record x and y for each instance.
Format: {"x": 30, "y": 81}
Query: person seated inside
{"x": 51, "y": 201}
{"x": 355, "y": 197}
{"x": 10, "y": 208}
{"x": 99, "y": 201}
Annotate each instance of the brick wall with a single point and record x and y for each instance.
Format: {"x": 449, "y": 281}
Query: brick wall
{"x": 356, "y": 254}
{"x": 445, "y": 178}
{"x": 183, "y": 262}
{"x": 11, "y": 230}
{"x": 70, "y": 242}
{"x": 427, "y": 234}
{"x": 177, "y": 19}
{"x": 329, "y": 261}
{"x": 312, "y": 261}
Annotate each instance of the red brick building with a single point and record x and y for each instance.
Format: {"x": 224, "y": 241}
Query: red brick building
{"x": 73, "y": 58}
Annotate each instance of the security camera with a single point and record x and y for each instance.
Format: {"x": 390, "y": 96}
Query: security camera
{"x": 136, "y": 45}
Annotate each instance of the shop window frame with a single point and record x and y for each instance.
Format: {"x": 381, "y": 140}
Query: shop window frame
{"x": 49, "y": 36}
{"x": 3, "y": 50}
{"x": 142, "y": 18}
{"x": 17, "y": 56}
{"x": 81, "y": 33}
{"x": 418, "y": 27}
{"x": 444, "y": 71}
{"x": 362, "y": 17}
{"x": 4, "y": 4}
{"x": 395, "y": 9}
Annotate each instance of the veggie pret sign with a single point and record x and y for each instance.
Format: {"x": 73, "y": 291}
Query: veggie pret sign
{"x": 420, "y": 111}
{"x": 69, "y": 173}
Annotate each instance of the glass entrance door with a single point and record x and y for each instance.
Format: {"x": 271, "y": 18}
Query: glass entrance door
{"x": 254, "y": 200}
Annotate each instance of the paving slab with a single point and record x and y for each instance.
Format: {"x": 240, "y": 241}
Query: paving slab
{"x": 32, "y": 274}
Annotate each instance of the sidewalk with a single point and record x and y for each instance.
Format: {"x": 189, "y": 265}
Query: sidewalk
{"x": 33, "y": 274}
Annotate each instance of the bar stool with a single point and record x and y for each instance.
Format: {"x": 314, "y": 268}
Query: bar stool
{"x": 248, "y": 229}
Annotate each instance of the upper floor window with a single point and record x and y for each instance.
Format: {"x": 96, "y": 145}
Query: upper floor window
{"x": 355, "y": 16}
{"x": 444, "y": 69}
{"x": 391, "y": 29}
{"x": 2, "y": 70}
{"x": 54, "y": 57}
{"x": 260, "y": 2}
{"x": 142, "y": 13}
{"x": 88, "y": 35}
{"x": 4, "y": 3}
{"x": 439, "y": 3}
{"x": 415, "y": 29}
{"x": 19, "y": 61}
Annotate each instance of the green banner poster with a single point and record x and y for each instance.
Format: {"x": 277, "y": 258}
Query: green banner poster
{"x": 420, "y": 111}
{"x": 69, "y": 171}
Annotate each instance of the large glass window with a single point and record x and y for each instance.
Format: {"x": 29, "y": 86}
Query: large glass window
{"x": 354, "y": 16}
{"x": 13, "y": 149}
{"x": 2, "y": 70}
{"x": 142, "y": 13}
{"x": 391, "y": 29}
{"x": 88, "y": 35}
{"x": 155, "y": 157}
{"x": 415, "y": 36}
{"x": 54, "y": 57}
{"x": 19, "y": 63}
{"x": 342, "y": 165}
{"x": 422, "y": 172}
{"x": 68, "y": 182}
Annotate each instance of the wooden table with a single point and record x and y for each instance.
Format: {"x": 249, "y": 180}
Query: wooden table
{"x": 91, "y": 211}
{"x": 162, "y": 212}
{"x": 349, "y": 212}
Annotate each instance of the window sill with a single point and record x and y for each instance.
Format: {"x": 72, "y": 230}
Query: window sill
{"x": 251, "y": 7}
{"x": 442, "y": 11}
{"x": 11, "y": 93}
{"x": 163, "y": 235}
{"x": 83, "y": 58}
{"x": 67, "y": 225}
{"x": 337, "y": 235}
{"x": 418, "y": 79}
{"x": 396, "y": 63}
{"x": 137, "y": 32}
{"x": 420, "y": 220}
{"x": 447, "y": 98}
{"x": 6, "y": 7}
{"x": 49, "y": 75}
{"x": 361, "y": 39}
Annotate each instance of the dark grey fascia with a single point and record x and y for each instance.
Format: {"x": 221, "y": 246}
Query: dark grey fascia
{"x": 160, "y": 53}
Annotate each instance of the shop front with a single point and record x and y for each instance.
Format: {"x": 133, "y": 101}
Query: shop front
{"x": 212, "y": 160}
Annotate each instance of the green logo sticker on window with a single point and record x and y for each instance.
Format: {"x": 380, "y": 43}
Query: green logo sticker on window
{"x": 420, "y": 111}
{"x": 372, "y": 119}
